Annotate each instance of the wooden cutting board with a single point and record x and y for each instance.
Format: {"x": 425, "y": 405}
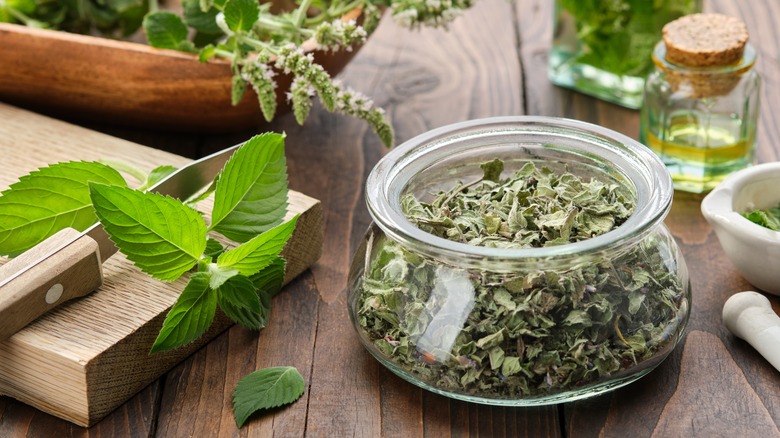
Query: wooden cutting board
{"x": 90, "y": 355}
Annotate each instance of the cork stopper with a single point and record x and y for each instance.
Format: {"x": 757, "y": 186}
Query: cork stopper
{"x": 704, "y": 55}
{"x": 705, "y": 40}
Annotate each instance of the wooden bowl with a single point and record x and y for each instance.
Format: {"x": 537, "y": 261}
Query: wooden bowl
{"x": 94, "y": 79}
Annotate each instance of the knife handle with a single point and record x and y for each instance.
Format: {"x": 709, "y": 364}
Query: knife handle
{"x": 72, "y": 271}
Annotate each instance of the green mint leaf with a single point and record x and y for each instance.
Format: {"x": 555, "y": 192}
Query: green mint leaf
{"x": 203, "y": 195}
{"x": 199, "y": 19}
{"x": 241, "y": 15}
{"x": 270, "y": 279}
{"x": 190, "y": 316}
{"x": 769, "y": 218}
{"x": 265, "y": 389}
{"x": 213, "y": 248}
{"x": 48, "y": 200}
{"x": 162, "y": 236}
{"x": 205, "y": 5}
{"x": 206, "y": 53}
{"x": 26, "y": 7}
{"x": 130, "y": 17}
{"x": 259, "y": 252}
{"x": 165, "y": 30}
{"x": 187, "y": 46}
{"x": 156, "y": 175}
{"x": 219, "y": 275}
{"x": 251, "y": 193}
{"x": 240, "y": 301}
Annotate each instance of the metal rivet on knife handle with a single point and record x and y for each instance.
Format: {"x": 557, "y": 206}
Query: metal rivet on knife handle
{"x": 54, "y": 294}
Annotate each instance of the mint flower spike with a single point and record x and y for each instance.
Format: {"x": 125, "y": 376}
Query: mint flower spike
{"x": 414, "y": 14}
{"x": 334, "y": 35}
{"x": 292, "y": 59}
{"x": 334, "y": 97}
{"x": 300, "y": 95}
{"x": 356, "y": 104}
{"x": 261, "y": 77}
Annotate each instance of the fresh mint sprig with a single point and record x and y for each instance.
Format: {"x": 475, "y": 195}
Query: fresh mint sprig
{"x": 167, "y": 237}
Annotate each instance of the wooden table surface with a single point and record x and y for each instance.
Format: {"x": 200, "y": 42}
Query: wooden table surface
{"x": 491, "y": 62}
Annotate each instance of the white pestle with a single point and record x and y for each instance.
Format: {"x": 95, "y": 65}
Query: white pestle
{"x": 749, "y": 316}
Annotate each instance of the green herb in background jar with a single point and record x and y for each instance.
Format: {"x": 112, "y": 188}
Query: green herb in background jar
{"x": 767, "y": 218}
{"x": 603, "y": 47}
{"x": 521, "y": 334}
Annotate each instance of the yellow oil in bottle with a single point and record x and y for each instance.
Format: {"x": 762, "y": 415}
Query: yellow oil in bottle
{"x": 701, "y": 151}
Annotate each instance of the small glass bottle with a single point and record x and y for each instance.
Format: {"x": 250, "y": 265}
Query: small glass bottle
{"x": 603, "y": 48}
{"x": 701, "y": 104}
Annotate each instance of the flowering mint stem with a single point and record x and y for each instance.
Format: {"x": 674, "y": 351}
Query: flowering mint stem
{"x": 300, "y": 13}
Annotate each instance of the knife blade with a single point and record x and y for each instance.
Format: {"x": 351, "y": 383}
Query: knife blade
{"x": 68, "y": 264}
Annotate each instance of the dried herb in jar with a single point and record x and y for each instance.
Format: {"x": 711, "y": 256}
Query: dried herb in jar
{"x": 531, "y": 333}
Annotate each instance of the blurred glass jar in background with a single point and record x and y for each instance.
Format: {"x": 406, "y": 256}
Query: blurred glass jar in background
{"x": 603, "y": 47}
{"x": 701, "y": 105}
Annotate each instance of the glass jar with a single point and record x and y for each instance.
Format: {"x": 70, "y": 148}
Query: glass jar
{"x": 519, "y": 326}
{"x": 701, "y": 121}
{"x": 602, "y": 48}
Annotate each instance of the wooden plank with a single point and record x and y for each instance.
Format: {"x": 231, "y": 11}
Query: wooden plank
{"x": 84, "y": 359}
{"x": 662, "y": 403}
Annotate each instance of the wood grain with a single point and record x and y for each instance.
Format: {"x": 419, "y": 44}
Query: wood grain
{"x": 694, "y": 388}
{"x": 490, "y": 62}
{"x": 88, "y": 356}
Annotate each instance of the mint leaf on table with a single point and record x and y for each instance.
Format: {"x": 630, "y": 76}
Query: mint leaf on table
{"x": 265, "y": 389}
{"x": 190, "y": 316}
{"x": 241, "y": 15}
{"x": 251, "y": 192}
{"x": 48, "y": 200}
{"x": 162, "y": 236}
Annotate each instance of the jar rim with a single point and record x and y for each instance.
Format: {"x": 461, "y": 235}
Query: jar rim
{"x": 645, "y": 172}
{"x": 745, "y": 63}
